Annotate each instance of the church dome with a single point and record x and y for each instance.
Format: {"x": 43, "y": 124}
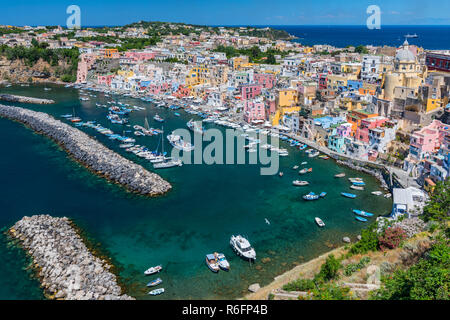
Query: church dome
{"x": 405, "y": 55}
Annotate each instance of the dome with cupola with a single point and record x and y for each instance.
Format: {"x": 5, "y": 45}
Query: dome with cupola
{"x": 404, "y": 54}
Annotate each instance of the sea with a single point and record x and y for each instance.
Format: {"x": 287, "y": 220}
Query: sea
{"x": 430, "y": 37}
{"x": 208, "y": 204}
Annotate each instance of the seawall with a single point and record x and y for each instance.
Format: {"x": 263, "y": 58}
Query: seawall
{"x": 66, "y": 268}
{"x": 23, "y": 99}
{"x": 90, "y": 152}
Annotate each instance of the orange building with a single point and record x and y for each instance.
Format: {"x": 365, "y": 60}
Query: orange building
{"x": 110, "y": 53}
{"x": 354, "y": 118}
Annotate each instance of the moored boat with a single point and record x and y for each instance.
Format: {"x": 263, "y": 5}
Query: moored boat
{"x": 154, "y": 283}
{"x": 322, "y": 194}
{"x": 242, "y": 247}
{"x": 339, "y": 175}
{"x": 222, "y": 261}
{"x": 153, "y": 270}
{"x": 360, "y": 219}
{"x": 300, "y": 183}
{"x": 355, "y": 187}
{"x": 319, "y": 222}
{"x": 311, "y": 196}
{"x": 362, "y": 213}
{"x": 348, "y": 195}
{"x": 156, "y": 292}
{"x": 211, "y": 262}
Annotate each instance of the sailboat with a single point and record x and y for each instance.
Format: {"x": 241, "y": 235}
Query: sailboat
{"x": 167, "y": 162}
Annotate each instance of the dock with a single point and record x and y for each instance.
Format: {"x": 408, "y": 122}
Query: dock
{"x": 23, "y": 99}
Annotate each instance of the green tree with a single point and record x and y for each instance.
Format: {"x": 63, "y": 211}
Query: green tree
{"x": 329, "y": 270}
{"x": 438, "y": 206}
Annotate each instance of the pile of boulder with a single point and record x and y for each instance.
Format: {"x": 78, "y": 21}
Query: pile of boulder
{"x": 66, "y": 268}
{"x": 90, "y": 152}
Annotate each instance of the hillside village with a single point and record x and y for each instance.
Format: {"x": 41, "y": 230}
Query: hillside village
{"x": 382, "y": 105}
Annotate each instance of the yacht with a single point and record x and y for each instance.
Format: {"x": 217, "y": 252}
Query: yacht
{"x": 242, "y": 247}
{"x": 179, "y": 143}
{"x": 152, "y": 270}
{"x": 222, "y": 261}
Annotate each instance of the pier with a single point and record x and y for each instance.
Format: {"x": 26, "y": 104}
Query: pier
{"x": 89, "y": 152}
{"x": 66, "y": 268}
{"x": 23, "y": 99}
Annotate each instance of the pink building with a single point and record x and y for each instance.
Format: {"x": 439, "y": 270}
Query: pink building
{"x": 250, "y": 91}
{"x": 428, "y": 139}
{"x": 86, "y": 62}
{"x": 266, "y": 80}
{"x": 254, "y": 110}
{"x": 362, "y": 132}
{"x": 344, "y": 130}
{"x": 140, "y": 56}
{"x": 105, "y": 80}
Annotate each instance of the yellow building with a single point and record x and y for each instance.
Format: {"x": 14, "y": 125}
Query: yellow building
{"x": 196, "y": 76}
{"x": 126, "y": 73}
{"x": 287, "y": 97}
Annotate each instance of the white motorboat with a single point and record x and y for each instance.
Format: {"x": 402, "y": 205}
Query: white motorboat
{"x": 211, "y": 262}
{"x": 222, "y": 261}
{"x": 180, "y": 144}
{"x": 300, "y": 183}
{"x": 242, "y": 247}
{"x": 153, "y": 270}
{"x": 156, "y": 292}
{"x": 319, "y": 222}
{"x": 168, "y": 164}
{"x": 377, "y": 193}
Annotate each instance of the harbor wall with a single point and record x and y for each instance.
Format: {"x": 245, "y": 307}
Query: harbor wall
{"x": 65, "y": 266}
{"x": 23, "y": 99}
{"x": 90, "y": 152}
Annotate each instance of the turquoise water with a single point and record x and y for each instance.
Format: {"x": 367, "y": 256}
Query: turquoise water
{"x": 207, "y": 205}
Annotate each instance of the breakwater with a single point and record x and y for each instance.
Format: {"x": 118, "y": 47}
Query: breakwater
{"x": 14, "y": 98}
{"x": 90, "y": 153}
{"x": 65, "y": 266}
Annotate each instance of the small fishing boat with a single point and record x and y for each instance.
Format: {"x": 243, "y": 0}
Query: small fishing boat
{"x": 303, "y": 163}
{"x": 281, "y": 174}
{"x": 355, "y": 180}
{"x": 322, "y": 194}
{"x": 358, "y": 183}
{"x": 156, "y": 292}
{"x": 222, "y": 261}
{"x": 355, "y": 187}
{"x": 348, "y": 195}
{"x": 158, "y": 118}
{"x": 211, "y": 262}
{"x": 313, "y": 154}
{"x": 303, "y": 171}
{"x": 388, "y": 195}
{"x": 339, "y": 175}
{"x": 324, "y": 157}
{"x": 360, "y": 219}
{"x": 311, "y": 196}
{"x": 66, "y": 116}
{"x": 295, "y": 167}
{"x": 300, "y": 183}
{"x": 126, "y": 145}
{"x": 267, "y": 221}
{"x": 377, "y": 193}
{"x": 362, "y": 213}
{"x": 153, "y": 270}
{"x": 154, "y": 283}
{"x": 176, "y": 114}
{"x": 75, "y": 119}
{"x": 319, "y": 222}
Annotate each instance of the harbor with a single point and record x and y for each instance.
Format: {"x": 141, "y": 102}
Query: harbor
{"x": 194, "y": 219}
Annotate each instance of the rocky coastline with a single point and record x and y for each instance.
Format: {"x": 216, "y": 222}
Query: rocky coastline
{"x": 65, "y": 266}
{"x": 90, "y": 152}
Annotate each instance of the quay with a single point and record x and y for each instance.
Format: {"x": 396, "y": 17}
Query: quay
{"x": 23, "y": 99}
{"x": 89, "y": 152}
{"x": 66, "y": 268}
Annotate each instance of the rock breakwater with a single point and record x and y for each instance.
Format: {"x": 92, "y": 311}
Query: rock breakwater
{"x": 66, "y": 268}
{"x": 13, "y": 98}
{"x": 90, "y": 152}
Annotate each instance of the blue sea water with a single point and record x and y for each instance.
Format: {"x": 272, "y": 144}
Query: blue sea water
{"x": 207, "y": 205}
{"x": 429, "y": 37}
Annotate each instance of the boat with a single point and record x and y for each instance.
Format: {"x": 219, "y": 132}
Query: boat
{"x": 388, "y": 195}
{"x": 154, "y": 283}
{"x": 355, "y": 187}
{"x": 156, "y": 292}
{"x": 377, "y": 193}
{"x": 348, "y": 195}
{"x": 153, "y": 270}
{"x": 164, "y": 164}
{"x": 355, "y": 180}
{"x": 360, "y": 219}
{"x": 300, "y": 183}
{"x": 242, "y": 247}
{"x": 319, "y": 222}
{"x": 195, "y": 126}
{"x": 362, "y": 213}
{"x": 281, "y": 174}
{"x": 325, "y": 157}
{"x": 158, "y": 118}
{"x": 295, "y": 167}
{"x": 339, "y": 175}
{"x": 222, "y": 261}
{"x": 303, "y": 163}
{"x": 75, "y": 119}
{"x": 411, "y": 35}
{"x": 305, "y": 170}
{"x": 313, "y": 154}
{"x": 66, "y": 116}
{"x": 180, "y": 144}
{"x": 211, "y": 262}
{"x": 358, "y": 183}
{"x": 267, "y": 221}
{"x": 126, "y": 145}
{"x": 322, "y": 194}
{"x": 311, "y": 196}
{"x": 176, "y": 114}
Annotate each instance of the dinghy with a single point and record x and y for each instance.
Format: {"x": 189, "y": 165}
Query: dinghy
{"x": 300, "y": 183}
{"x": 348, "y": 195}
{"x": 153, "y": 270}
{"x": 156, "y": 292}
{"x": 154, "y": 283}
{"x": 361, "y": 219}
{"x": 362, "y": 213}
{"x": 319, "y": 222}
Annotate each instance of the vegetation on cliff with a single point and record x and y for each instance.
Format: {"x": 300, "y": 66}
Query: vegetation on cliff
{"x": 63, "y": 62}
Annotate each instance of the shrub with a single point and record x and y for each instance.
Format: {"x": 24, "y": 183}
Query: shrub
{"x": 331, "y": 291}
{"x": 391, "y": 238}
{"x": 329, "y": 270}
{"x": 368, "y": 242}
{"x": 300, "y": 285}
{"x": 353, "y": 267}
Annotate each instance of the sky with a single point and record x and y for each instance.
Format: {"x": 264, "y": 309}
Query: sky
{"x": 226, "y": 12}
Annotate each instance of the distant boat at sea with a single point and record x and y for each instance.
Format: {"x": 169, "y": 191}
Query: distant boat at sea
{"x": 411, "y": 35}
